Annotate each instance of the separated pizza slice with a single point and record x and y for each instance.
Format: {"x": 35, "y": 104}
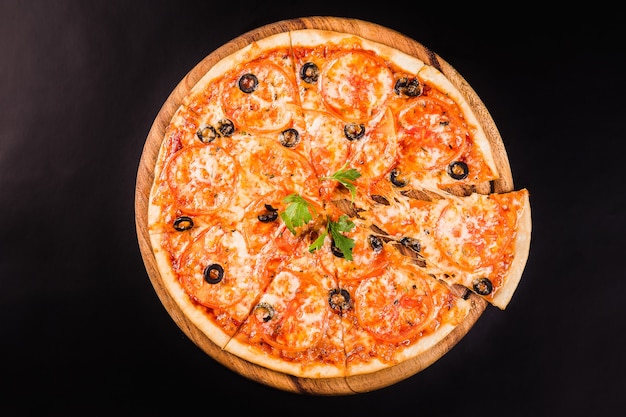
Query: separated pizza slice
{"x": 487, "y": 240}
{"x": 479, "y": 241}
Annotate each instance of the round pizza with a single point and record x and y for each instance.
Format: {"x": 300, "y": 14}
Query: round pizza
{"x": 322, "y": 206}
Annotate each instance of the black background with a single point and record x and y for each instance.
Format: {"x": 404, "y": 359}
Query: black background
{"x": 82, "y": 328}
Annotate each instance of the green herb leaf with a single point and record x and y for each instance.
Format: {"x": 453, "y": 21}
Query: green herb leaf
{"x": 343, "y": 243}
{"x": 318, "y": 243}
{"x": 297, "y": 212}
{"x": 346, "y": 177}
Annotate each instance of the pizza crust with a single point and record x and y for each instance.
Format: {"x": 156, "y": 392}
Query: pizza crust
{"x": 246, "y": 54}
{"x": 300, "y": 369}
{"x": 316, "y": 37}
{"x": 190, "y": 310}
{"x": 435, "y": 77}
{"x": 521, "y": 251}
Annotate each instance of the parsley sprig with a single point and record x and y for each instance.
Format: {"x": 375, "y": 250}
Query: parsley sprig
{"x": 346, "y": 177}
{"x": 298, "y": 212}
{"x": 341, "y": 242}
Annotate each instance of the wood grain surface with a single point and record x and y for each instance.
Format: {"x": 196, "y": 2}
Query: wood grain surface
{"x": 145, "y": 176}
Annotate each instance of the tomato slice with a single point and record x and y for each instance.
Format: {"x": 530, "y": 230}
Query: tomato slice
{"x": 294, "y": 311}
{"x": 261, "y": 219}
{"x": 211, "y": 277}
{"x": 278, "y": 168}
{"x": 473, "y": 235}
{"x": 356, "y": 85}
{"x": 203, "y": 178}
{"x": 265, "y": 108}
{"x": 328, "y": 146}
{"x": 430, "y": 133}
{"x": 395, "y": 306}
{"x": 376, "y": 153}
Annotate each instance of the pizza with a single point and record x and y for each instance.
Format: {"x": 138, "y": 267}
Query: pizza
{"x": 322, "y": 206}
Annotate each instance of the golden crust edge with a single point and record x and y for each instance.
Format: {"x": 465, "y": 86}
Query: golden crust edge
{"x": 256, "y": 356}
{"x": 433, "y": 76}
{"x": 413, "y": 351}
{"x": 316, "y": 37}
{"x": 520, "y": 256}
{"x": 192, "y": 312}
{"x": 241, "y": 56}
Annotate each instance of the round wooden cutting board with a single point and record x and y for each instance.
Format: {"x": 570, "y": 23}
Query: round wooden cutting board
{"x": 145, "y": 176}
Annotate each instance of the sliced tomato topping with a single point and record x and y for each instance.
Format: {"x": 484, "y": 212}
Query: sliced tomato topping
{"x": 396, "y": 305}
{"x": 328, "y": 146}
{"x": 298, "y": 311}
{"x": 430, "y": 134}
{"x": 473, "y": 235}
{"x": 261, "y": 107}
{"x": 376, "y": 153}
{"x": 281, "y": 168}
{"x": 215, "y": 269}
{"x": 203, "y": 178}
{"x": 356, "y": 85}
{"x": 261, "y": 219}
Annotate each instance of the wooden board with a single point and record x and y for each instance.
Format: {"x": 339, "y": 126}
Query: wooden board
{"x": 145, "y": 176}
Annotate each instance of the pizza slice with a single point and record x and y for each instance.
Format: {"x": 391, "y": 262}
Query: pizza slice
{"x": 390, "y": 309}
{"x": 435, "y": 140}
{"x": 479, "y": 241}
{"x": 396, "y": 316}
{"x": 292, "y": 327}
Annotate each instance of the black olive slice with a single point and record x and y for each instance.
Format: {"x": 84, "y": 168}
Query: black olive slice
{"x": 393, "y": 177}
{"x": 411, "y": 243}
{"x": 226, "y": 127}
{"x": 264, "y": 312}
{"x": 408, "y": 86}
{"x": 213, "y": 273}
{"x": 289, "y": 138}
{"x": 375, "y": 242}
{"x": 183, "y": 223}
{"x": 458, "y": 170}
{"x": 483, "y": 286}
{"x": 207, "y": 134}
{"x": 269, "y": 216}
{"x": 354, "y": 131}
{"x": 339, "y": 299}
{"x": 248, "y": 83}
{"x": 309, "y": 72}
